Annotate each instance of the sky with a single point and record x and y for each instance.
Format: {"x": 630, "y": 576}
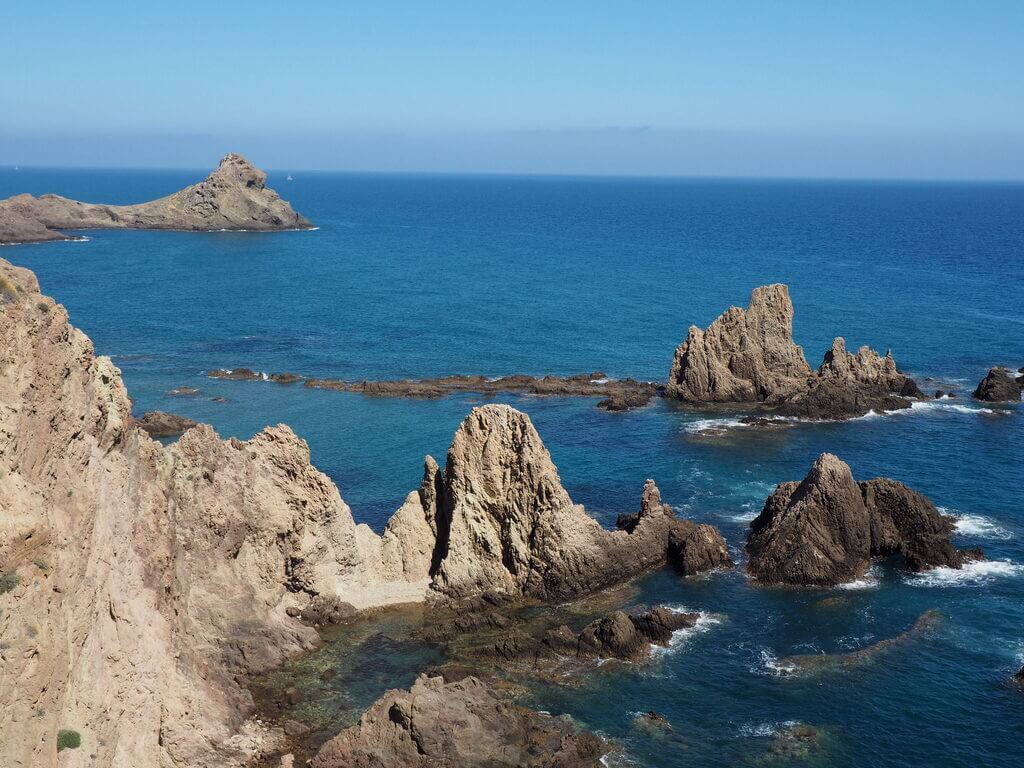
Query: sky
{"x": 895, "y": 89}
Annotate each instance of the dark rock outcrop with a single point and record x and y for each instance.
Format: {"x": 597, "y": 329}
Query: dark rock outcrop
{"x": 462, "y": 724}
{"x": 748, "y": 356}
{"x": 163, "y": 424}
{"x": 617, "y": 394}
{"x": 233, "y": 197}
{"x": 629, "y": 636}
{"x": 1000, "y": 385}
{"x": 826, "y": 529}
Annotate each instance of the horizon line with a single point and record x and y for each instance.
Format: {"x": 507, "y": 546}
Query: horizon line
{"x": 206, "y": 170}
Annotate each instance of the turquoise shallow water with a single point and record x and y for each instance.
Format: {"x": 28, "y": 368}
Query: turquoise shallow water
{"x": 418, "y": 276}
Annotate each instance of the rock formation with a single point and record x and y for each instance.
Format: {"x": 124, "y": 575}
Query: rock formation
{"x": 510, "y": 527}
{"x": 749, "y": 356}
{"x": 618, "y": 394}
{"x": 1000, "y": 385}
{"x": 821, "y": 662}
{"x": 163, "y": 424}
{"x": 141, "y": 581}
{"x": 462, "y": 724}
{"x": 234, "y": 196}
{"x": 825, "y": 529}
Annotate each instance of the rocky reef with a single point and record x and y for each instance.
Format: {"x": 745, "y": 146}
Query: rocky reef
{"x": 824, "y": 662}
{"x": 163, "y": 424}
{"x": 146, "y": 581}
{"x": 233, "y": 197}
{"x": 460, "y": 724}
{"x": 748, "y": 356}
{"x": 826, "y": 529}
{"x": 1000, "y": 385}
{"x": 616, "y": 394}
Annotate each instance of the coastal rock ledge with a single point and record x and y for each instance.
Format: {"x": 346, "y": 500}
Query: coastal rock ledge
{"x": 749, "y": 356}
{"x": 825, "y": 530}
{"x": 234, "y": 197}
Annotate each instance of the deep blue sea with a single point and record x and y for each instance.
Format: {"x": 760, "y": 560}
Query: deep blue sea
{"x": 426, "y": 275}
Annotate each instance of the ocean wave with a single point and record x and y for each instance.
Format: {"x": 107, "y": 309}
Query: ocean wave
{"x": 704, "y": 623}
{"x": 972, "y": 574}
{"x": 703, "y": 425}
{"x": 978, "y": 527}
{"x": 870, "y": 580}
{"x": 925, "y": 406}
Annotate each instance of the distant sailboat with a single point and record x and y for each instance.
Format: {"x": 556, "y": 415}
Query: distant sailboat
{"x": 289, "y": 178}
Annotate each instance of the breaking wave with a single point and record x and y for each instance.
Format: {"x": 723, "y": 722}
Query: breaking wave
{"x": 974, "y": 573}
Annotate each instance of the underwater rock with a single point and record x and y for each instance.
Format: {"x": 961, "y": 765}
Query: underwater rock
{"x": 999, "y": 386}
{"x": 163, "y": 424}
{"x": 232, "y": 197}
{"x": 820, "y": 662}
{"x": 183, "y": 392}
{"x": 824, "y": 530}
{"x": 462, "y": 724}
{"x": 749, "y": 356}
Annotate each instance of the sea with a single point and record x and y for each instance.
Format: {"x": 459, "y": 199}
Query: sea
{"x": 416, "y": 276}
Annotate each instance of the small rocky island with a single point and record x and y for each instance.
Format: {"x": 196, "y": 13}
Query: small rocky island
{"x": 1000, "y": 385}
{"x": 825, "y": 530}
{"x": 748, "y": 357}
{"x": 234, "y": 197}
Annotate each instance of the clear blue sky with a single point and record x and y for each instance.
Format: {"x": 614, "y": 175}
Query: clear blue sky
{"x": 856, "y": 89}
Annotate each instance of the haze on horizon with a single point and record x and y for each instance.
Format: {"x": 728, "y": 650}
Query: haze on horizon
{"x": 919, "y": 90}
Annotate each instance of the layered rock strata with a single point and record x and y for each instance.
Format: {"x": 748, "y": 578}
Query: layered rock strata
{"x": 1000, "y": 385}
{"x": 461, "y": 724}
{"x": 233, "y": 197}
{"x": 825, "y": 530}
{"x": 748, "y": 356}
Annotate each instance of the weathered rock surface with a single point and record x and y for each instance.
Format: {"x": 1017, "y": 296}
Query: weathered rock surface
{"x": 749, "y": 356}
{"x": 508, "y": 526}
{"x": 1000, "y": 385}
{"x": 163, "y": 424}
{"x": 234, "y": 197}
{"x": 463, "y": 724}
{"x": 149, "y": 578}
{"x": 826, "y": 529}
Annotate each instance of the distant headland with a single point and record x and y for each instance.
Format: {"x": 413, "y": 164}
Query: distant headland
{"x": 234, "y": 197}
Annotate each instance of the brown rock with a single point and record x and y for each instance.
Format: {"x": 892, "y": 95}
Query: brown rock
{"x": 162, "y": 424}
{"x": 460, "y": 724}
{"x": 824, "y": 530}
{"x": 999, "y": 386}
{"x": 234, "y": 196}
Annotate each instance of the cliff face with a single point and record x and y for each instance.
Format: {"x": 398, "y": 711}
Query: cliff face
{"x": 140, "y": 580}
{"x": 825, "y": 529}
{"x": 234, "y": 196}
{"x": 749, "y": 356}
{"x": 146, "y": 577}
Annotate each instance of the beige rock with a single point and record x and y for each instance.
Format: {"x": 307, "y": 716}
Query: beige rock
{"x": 748, "y": 356}
{"x": 234, "y": 196}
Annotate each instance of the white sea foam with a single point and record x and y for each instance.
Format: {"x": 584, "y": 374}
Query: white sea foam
{"x": 600, "y": 381}
{"x": 704, "y": 623}
{"x": 870, "y": 580}
{"x": 745, "y": 517}
{"x": 924, "y": 406}
{"x": 978, "y": 527}
{"x": 770, "y": 663}
{"x": 702, "y": 425}
{"x": 764, "y": 730}
{"x": 972, "y": 574}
